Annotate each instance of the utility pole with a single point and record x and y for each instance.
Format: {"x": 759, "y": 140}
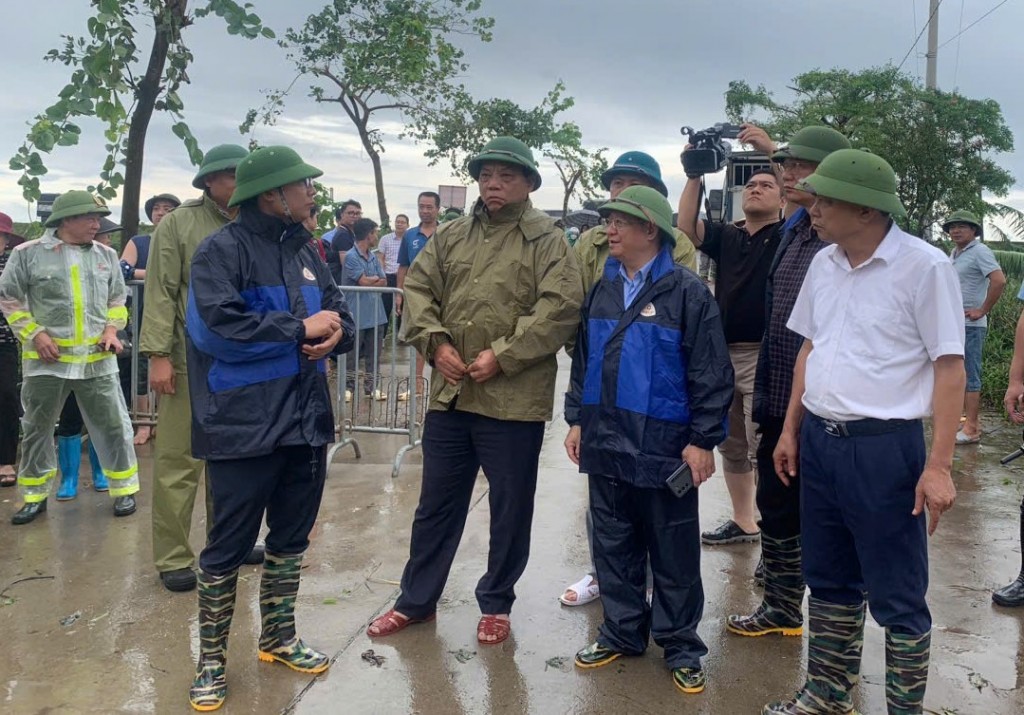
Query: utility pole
{"x": 933, "y": 44}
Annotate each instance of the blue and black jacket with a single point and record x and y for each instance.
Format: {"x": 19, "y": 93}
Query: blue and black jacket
{"x": 650, "y": 379}
{"x": 253, "y": 390}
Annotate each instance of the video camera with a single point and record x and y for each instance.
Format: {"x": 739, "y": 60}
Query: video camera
{"x": 709, "y": 152}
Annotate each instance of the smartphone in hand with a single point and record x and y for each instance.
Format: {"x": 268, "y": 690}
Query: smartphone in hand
{"x": 680, "y": 481}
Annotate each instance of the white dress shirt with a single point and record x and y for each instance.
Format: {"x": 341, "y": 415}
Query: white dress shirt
{"x": 877, "y": 329}
{"x": 388, "y": 246}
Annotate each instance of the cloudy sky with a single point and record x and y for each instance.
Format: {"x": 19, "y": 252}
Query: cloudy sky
{"x": 638, "y": 71}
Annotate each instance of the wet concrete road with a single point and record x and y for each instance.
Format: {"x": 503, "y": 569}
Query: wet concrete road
{"x": 94, "y": 632}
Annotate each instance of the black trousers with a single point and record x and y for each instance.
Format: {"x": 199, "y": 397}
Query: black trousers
{"x": 632, "y": 525}
{"x": 389, "y": 298}
{"x": 455, "y": 446}
{"x": 287, "y": 484}
{"x": 370, "y": 343}
{"x": 779, "y": 505}
{"x": 10, "y": 403}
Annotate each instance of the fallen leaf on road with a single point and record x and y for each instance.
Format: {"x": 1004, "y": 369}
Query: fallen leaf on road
{"x": 977, "y": 680}
{"x": 462, "y": 655}
{"x": 372, "y": 658}
{"x": 69, "y": 620}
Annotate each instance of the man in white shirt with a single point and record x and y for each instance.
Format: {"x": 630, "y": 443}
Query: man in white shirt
{"x": 387, "y": 250}
{"x": 883, "y": 323}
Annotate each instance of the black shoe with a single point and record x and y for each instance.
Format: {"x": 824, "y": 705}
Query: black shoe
{"x": 178, "y": 579}
{"x": 124, "y": 506}
{"x": 595, "y": 655}
{"x": 759, "y": 573}
{"x": 1011, "y": 596}
{"x": 257, "y": 554}
{"x": 29, "y": 512}
{"x": 729, "y": 533}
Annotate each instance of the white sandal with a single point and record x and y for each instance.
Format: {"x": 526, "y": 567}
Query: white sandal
{"x": 586, "y": 590}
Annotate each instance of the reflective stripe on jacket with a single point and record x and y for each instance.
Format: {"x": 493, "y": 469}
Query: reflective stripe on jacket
{"x": 73, "y": 293}
{"x": 252, "y": 388}
{"x": 650, "y": 379}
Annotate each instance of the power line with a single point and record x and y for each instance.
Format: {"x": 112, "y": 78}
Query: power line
{"x": 918, "y": 38}
{"x": 956, "y": 66}
{"x": 999, "y": 5}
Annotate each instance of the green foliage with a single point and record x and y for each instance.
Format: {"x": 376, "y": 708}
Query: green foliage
{"x": 372, "y": 57}
{"x": 1002, "y": 324}
{"x": 109, "y": 82}
{"x": 940, "y": 143}
{"x": 468, "y": 124}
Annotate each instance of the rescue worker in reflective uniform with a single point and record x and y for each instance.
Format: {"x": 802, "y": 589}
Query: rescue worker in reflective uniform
{"x": 64, "y": 297}
{"x": 263, "y": 314}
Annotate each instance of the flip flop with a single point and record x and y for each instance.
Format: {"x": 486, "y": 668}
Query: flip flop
{"x": 8, "y": 479}
{"x": 500, "y": 628}
{"x": 962, "y": 438}
{"x": 586, "y": 590}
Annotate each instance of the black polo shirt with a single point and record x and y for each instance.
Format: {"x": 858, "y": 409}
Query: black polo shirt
{"x": 743, "y": 262}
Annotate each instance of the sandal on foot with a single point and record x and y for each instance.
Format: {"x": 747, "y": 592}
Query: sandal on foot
{"x": 498, "y": 628}
{"x": 8, "y": 479}
{"x": 964, "y": 438}
{"x": 586, "y": 591}
{"x": 392, "y": 622}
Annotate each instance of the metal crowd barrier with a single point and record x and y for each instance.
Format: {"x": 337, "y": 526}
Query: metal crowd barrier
{"x": 395, "y": 401}
{"x": 139, "y": 416}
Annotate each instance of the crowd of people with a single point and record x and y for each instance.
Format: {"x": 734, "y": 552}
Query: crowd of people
{"x": 829, "y": 338}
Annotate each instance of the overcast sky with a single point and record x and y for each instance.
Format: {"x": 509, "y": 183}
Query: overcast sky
{"x": 638, "y": 72}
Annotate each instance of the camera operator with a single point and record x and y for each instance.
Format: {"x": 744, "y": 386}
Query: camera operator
{"x": 744, "y": 253}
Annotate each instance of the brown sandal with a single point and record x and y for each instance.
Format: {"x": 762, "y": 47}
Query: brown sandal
{"x": 8, "y": 479}
{"x": 392, "y": 622}
{"x": 498, "y": 628}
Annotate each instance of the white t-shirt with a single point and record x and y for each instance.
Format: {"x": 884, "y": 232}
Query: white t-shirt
{"x": 877, "y": 328}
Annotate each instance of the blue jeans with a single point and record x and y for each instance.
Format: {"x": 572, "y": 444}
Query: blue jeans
{"x": 975, "y": 341}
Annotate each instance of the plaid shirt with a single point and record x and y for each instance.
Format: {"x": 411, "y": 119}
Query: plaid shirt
{"x": 389, "y": 246}
{"x": 781, "y": 345}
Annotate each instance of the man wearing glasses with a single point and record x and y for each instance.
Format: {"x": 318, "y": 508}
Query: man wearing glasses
{"x": 743, "y": 252}
{"x": 650, "y": 389}
{"x": 340, "y": 240}
{"x": 781, "y": 610}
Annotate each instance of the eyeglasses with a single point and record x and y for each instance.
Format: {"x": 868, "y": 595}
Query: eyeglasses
{"x": 619, "y": 223}
{"x": 798, "y": 165}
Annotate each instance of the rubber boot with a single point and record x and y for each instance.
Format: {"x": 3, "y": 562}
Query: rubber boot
{"x": 278, "y": 642}
{"x": 69, "y": 456}
{"x": 781, "y": 609}
{"x": 99, "y": 479}
{"x": 906, "y": 672}
{"x": 216, "y": 607}
{"x": 1012, "y": 596}
{"x": 833, "y": 661}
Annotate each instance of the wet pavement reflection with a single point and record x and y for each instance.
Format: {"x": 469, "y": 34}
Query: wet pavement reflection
{"x": 87, "y": 628}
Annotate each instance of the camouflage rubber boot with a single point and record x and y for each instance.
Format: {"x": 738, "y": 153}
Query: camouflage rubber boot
{"x": 216, "y": 607}
{"x": 781, "y": 610}
{"x": 906, "y": 672}
{"x": 278, "y": 642}
{"x": 833, "y": 661}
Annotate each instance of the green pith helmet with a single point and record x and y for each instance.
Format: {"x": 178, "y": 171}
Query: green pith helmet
{"x": 152, "y": 201}
{"x": 75, "y": 203}
{"x": 220, "y": 158}
{"x": 507, "y": 150}
{"x": 967, "y": 217}
{"x": 812, "y": 144}
{"x": 268, "y": 168}
{"x": 639, "y": 164}
{"x": 856, "y": 177}
{"x": 646, "y": 204}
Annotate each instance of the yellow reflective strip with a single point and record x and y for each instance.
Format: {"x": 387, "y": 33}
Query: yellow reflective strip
{"x": 117, "y": 313}
{"x": 124, "y": 491}
{"x": 37, "y": 481}
{"x": 34, "y": 498}
{"x": 27, "y": 330}
{"x": 130, "y": 472}
{"x": 18, "y": 315}
{"x": 71, "y": 359}
{"x": 78, "y": 304}
{"x": 70, "y": 343}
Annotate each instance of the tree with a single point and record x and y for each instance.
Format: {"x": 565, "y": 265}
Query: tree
{"x": 939, "y": 143}
{"x": 373, "y": 57}
{"x": 110, "y": 83}
{"x": 469, "y": 124}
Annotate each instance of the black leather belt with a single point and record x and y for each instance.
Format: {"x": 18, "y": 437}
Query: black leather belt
{"x": 862, "y": 428}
